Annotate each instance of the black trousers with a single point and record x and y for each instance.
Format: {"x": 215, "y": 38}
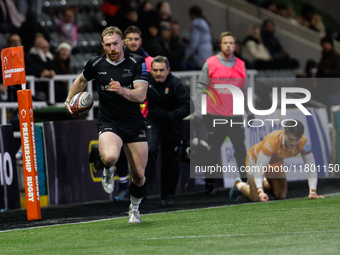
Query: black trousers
{"x": 170, "y": 168}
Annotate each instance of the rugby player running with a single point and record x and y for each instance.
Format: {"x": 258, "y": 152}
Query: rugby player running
{"x": 122, "y": 84}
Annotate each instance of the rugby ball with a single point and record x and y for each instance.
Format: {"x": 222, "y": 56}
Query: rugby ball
{"x": 81, "y": 103}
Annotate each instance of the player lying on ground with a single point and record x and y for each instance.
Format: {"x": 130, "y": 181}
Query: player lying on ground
{"x": 270, "y": 154}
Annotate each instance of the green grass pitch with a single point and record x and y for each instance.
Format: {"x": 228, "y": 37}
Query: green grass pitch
{"x": 299, "y": 226}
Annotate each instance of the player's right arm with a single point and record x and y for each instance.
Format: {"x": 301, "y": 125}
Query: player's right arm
{"x": 312, "y": 176}
{"x": 77, "y": 86}
{"x": 262, "y": 160}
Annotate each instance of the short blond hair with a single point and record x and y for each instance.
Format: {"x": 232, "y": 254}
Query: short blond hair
{"x": 111, "y": 31}
{"x": 227, "y": 33}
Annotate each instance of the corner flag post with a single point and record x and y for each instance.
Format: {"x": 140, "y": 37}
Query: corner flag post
{"x": 13, "y": 68}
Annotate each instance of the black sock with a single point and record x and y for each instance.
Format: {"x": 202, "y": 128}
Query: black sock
{"x": 136, "y": 191}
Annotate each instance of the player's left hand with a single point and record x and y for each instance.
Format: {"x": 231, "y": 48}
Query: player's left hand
{"x": 115, "y": 86}
{"x": 314, "y": 196}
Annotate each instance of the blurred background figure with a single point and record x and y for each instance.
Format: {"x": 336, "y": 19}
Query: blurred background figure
{"x": 329, "y": 65}
{"x": 164, "y": 13}
{"x": 327, "y": 91}
{"x": 162, "y": 45}
{"x": 29, "y": 29}
{"x": 311, "y": 20}
{"x": 255, "y": 51}
{"x": 200, "y": 47}
{"x": 177, "y": 47}
{"x": 62, "y": 59}
{"x": 150, "y": 37}
{"x": 10, "y": 18}
{"x": 270, "y": 6}
{"x": 169, "y": 44}
{"x": 129, "y": 18}
{"x": 116, "y": 11}
{"x": 67, "y": 28}
{"x": 40, "y": 56}
{"x": 275, "y": 48}
{"x": 287, "y": 12}
{"x": 144, "y": 8}
{"x": 241, "y": 55}
{"x": 31, "y": 67}
{"x": 62, "y": 65}
{"x": 29, "y": 6}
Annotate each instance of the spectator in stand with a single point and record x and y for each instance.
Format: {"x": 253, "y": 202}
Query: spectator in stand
{"x": 255, "y": 51}
{"x": 329, "y": 65}
{"x": 29, "y": 29}
{"x": 144, "y": 8}
{"x": 67, "y": 28}
{"x": 31, "y": 67}
{"x": 164, "y": 13}
{"x": 150, "y": 38}
{"x": 129, "y": 18}
{"x": 177, "y": 47}
{"x": 274, "y": 46}
{"x": 270, "y": 6}
{"x": 9, "y": 94}
{"x": 287, "y": 12}
{"x": 62, "y": 65}
{"x": 169, "y": 47}
{"x": 3, "y": 92}
{"x": 42, "y": 58}
{"x": 10, "y": 19}
{"x": 40, "y": 54}
{"x": 200, "y": 47}
{"x": 311, "y": 20}
{"x": 27, "y": 6}
{"x": 14, "y": 40}
{"x": 162, "y": 45}
{"x": 62, "y": 59}
{"x": 114, "y": 10}
{"x": 328, "y": 92}
{"x": 311, "y": 68}
{"x": 241, "y": 55}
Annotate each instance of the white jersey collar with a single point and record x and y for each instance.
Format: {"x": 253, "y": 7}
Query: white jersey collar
{"x": 114, "y": 63}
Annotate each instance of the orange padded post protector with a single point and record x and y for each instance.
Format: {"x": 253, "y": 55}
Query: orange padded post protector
{"x": 13, "y": 66}
{"x": 29, "y": 156}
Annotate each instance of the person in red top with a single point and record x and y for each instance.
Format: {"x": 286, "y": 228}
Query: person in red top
{"x": 223, "y": 68}
{"x": 264, "y": 162}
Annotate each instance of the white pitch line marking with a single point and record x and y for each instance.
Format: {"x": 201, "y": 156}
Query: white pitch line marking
{"x": 235, "y": 235}
{"x": 113, "y": 218}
